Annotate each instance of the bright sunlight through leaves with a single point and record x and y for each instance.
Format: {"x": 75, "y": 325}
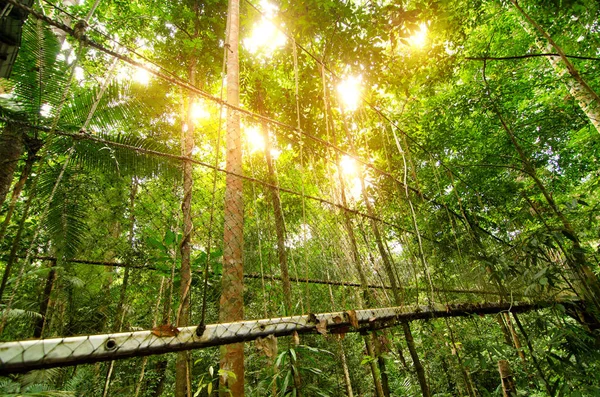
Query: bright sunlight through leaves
{"x": 350, "y": 172}
{"x": 199, "y": 111}
{"x": 141, "y": 76}
{"x": 254, "y": 138}
{"x": 265, "y": 36}
{"x": 349, "y": 91}
{"x": 419, "y": 38}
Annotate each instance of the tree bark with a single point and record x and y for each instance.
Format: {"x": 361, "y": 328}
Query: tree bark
{"x": 579, "y": 265}
{"x": 587, "y": 97}
{"x": 11, "y": 150}
{"x": 232, "y": 302}
{"x": 278, "y": 215}
{"x": 45, "y": 302}
{"x": 185, "y": 272}
{"x": 410, "y": 342}
{"x": 533, "y": 355}
{"x": 373, "y": 364}
{"x": 508, "y": 384}
{"x": 33, "y": 146}
{"x": 515, "y": 338}
{"x": 394, "y": 282}
{"x": 586, "y": 101}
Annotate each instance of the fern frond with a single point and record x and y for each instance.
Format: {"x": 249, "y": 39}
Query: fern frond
{"x": 21, "y": 313}
{"x": 124, "y": 161}
{"x": 38, "y": 76}
{"x": 40, "y": 376}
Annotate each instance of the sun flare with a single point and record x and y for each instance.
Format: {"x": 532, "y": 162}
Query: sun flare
{"x": 254, "y": 139}
{"x": 349, "y": 91}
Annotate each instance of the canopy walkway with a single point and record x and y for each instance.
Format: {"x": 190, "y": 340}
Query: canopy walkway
{"x": 21, "y": 356}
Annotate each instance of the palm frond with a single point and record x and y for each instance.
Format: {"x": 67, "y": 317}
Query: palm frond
{"x": 20, "y": 314}
{"x": 38, "y": 76}
{"x": 65, "y": 222}
{"x": 113, "y": 159}
{"x": 115, "y": 107}
{"x": 41, "y": 376}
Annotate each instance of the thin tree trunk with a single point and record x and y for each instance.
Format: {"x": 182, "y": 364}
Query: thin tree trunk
{"x": 586, "y": 96}
{"x": 280, "y": 231}
{"x": 533, "y": 355}
{"x": 508, "y": 384}
{"x": 232, "y": 301}
{"x": 138, "y": 386}
{"x": 373, "y": 364}
{"x": 586, "y": 102}
{"x": 508, "y": 339}
{"x": 385, "y": 384}
{"x": 187, "y": 146}
{"x": 515, "y": 338}
{"x": 410, "y": 342}
{"x": 45, "y": 301}
{"x": 278, "y": 214}
{"x": 347, "y": 380}
{"x": 464, "y": 370}
{"x": 579, "y": 265}
{"x": 32, "y": 149}
{"x": 394, "y": 282}
{"x": 11, "y": 150}
{"x": 124, "y": 285}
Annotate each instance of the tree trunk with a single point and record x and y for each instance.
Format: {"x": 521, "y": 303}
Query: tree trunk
{"x": 508, "y": 384}
{"x": 278, "y": 214}
{"x": 394, "y": 282}
{"x": 579, "y": 265}
{"x": 11, "y": 150}
{"x": 583, "y": 97}
{"x": 187, "y": 146}
{"x": 45, "y": 301}
{"x": 123, "y": 293}
{"x": 232, "y": 301}
{"x": 533, "y": 355}
{"x": 580, "y": 89}
{"x": 385, "y": 384}
{"x": 410, "y": 342}
{"x": 373, "y": 364}
{"x": 33, "y": 146}
{"x": 515, "y": 338}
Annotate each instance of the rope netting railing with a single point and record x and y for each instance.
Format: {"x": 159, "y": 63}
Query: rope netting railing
{"x": 127, "y": 241}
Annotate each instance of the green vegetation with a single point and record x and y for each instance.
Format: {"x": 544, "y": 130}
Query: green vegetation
{"x": 421, "y": 152}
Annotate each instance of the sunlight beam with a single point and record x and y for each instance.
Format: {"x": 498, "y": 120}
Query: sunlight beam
{"x": 349, "y": 91}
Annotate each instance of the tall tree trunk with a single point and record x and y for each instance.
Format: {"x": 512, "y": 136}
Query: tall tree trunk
{"x": 232, "y": 301}
{"x": 385, "y": 384}
{"x": 33, "y": 146}
{"x": 508, "y": 384}
{"x": 278, "y": 213}
{"x": 533, "y": 355}
{"x": 394, "y": 282}
{"x": 410, "y": 342}
{"x": 515, "y": 338}
{"x": 123, "y": 293}
{"x": 45, "y": 301}
{"x": 187, "y": 146}
{"x": 11, "y": 150}
{"x": 589, "y": 281}
{"x": 373, "y": 364}
{"x": 586, "y": 101}
{"x": 581, "y": 90}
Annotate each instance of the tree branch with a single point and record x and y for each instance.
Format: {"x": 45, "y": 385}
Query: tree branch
{"x": 509, "y": 58}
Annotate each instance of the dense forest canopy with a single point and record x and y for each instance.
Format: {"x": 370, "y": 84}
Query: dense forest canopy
{"x": 169, "y": 166}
